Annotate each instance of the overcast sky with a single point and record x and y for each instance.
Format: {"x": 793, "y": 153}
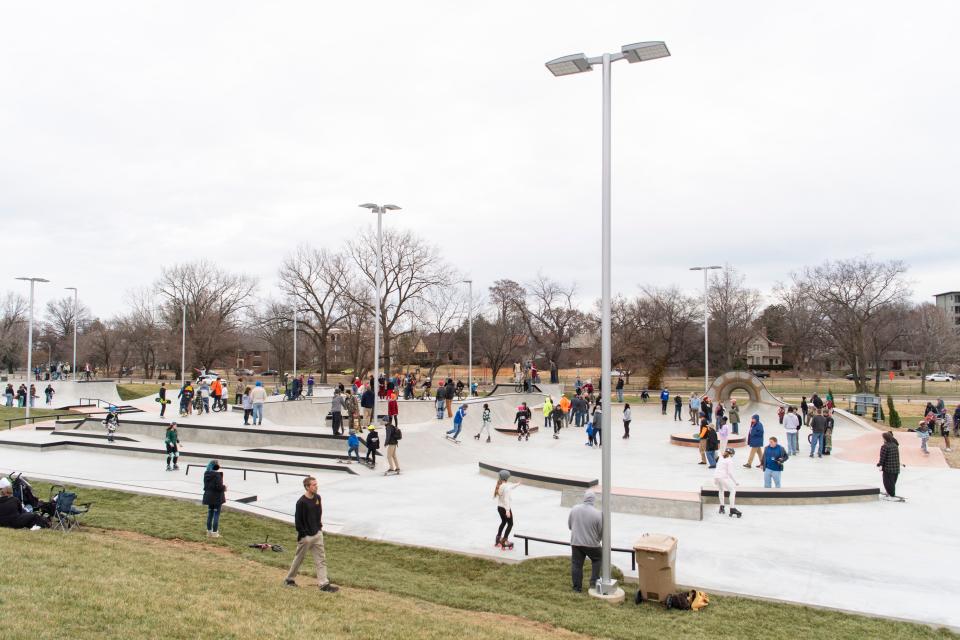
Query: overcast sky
{"x": 135, "y": 135}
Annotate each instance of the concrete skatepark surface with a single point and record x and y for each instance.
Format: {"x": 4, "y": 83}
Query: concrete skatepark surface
{"x": 68, "y": 393}
{"x": 839, "y": 556}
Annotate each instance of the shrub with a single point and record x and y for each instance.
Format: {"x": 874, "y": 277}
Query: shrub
{"x": 655, "y": 378}
{"x": 894, "y": 418}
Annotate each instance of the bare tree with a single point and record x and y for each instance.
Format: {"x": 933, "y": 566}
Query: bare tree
{"x": 410, "y": 269}
{"x": 313, "y": 277}
{"x": 13, "y": 330}
{"x": 102, "y": 340}
{"x": 356, "y": 337}
{"x": 273, "y": 324}
{"x": 931, "y": 337}
{"x": 550, "y": 315}
{"x": 667, "y": 321}
{"x": 498, "y": 332}
{"x": 851, "y": 295}
{"x": 802, "y": 325}
{"x": 58, "y": 325}
{"x": 733, "y": 309}
{"x": 441, "y": 313}
{"x": 144, "y": 330}
{"x": 214, "y": 299}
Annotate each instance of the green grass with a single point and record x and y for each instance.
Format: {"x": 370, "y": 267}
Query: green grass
{"x": 536, "y": 591}
{"x": 134, "y": 391}
{"x": 8, "y": 413}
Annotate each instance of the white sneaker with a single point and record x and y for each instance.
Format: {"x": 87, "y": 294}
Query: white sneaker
{"x": 35, "y": 527}
{"x": 214, "y": 534}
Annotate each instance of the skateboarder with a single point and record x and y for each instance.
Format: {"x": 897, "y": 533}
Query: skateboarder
{"x": 457, "y": 422}
{"x": 373, "y": 446}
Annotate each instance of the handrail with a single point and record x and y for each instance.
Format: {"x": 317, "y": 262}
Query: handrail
{"x": 276, "y": 474}
{"x": 526, "y": 547}
{"x": 33, "y": 419}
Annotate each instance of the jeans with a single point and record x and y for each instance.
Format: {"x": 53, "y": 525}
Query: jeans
{"x": 353, "y": 451}
{"x": 206, "y": 404}
{"x": 213, "y": 518}
{"x": 736, "y": 427}
{"x": 9, "y": 401}
{"x": 246, "y": 416}
{"x": 337, "y": 422}
{"x": 793, "y": 443}
{"x": 257, "y": 413}
{"x": 579, "y": 418}
{"x": 677, "y": 409}
{"x": 577, "y": 556}
{"x": 770, "y": 474}
{"x": 619, "y": 395}
{"x": 455, "y": 431}
{"x": 816, "y": 444}
{"x": 663, "y": 407}
{"x": 711, "y": 458}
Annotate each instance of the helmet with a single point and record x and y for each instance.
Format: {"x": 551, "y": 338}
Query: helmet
{"x": 504, "y": 475}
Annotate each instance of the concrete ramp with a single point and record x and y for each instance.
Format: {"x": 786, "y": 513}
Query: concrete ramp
{"x": 732, "y": 381}
{"x": 68, "y": 393}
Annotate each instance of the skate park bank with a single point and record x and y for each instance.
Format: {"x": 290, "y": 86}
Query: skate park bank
{"x": 442, "y": 484}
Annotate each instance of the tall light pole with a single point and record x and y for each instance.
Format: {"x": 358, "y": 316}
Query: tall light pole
{"x": 469, "y": 337}
{"x": 378, "y": 209}
{"x": 76, "y": 309}
{"x": 183, "y": 344}
{"x": 294, "y": 339}
{"x": 33, "y": 282}
{"x": 706, "y": 327}
{"x": 569, "y": 65}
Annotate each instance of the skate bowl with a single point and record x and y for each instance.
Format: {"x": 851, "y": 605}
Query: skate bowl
{"x": 796, "y": 495}
{"x": 67, "y": 393}
{"x": 732, "y": 381}
{"x": 691, "y": 440}
{"x": 543, "y": 479}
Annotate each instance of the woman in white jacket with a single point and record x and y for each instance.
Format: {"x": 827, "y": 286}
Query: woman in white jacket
{"x": 724, "y": 481}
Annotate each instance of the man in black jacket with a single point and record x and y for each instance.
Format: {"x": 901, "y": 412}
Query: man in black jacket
{"x": 391, "y": 442}
{"x": 307, "y": 519}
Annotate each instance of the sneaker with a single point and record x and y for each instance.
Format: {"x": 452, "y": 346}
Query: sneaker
{"x": 169, "y": 468}
{"x": 330, "y": 588}
{"x": 701, "y": 463}
{"x": 209, "y": 532}
{"x": 746, "y": 466}
{"x": 214, "y": 534}
{"x": 289, "y": 583}
{"x": 176, "y": 467}
{"x": 35, "y": 527}
{"x": 488, "y": 438}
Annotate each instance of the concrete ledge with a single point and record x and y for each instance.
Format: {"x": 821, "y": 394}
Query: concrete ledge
{"x": 796, "y": 495}
{"x": 682, "y": 505}
{"x": 539, "y": 478}
{"x": 689, "y": 440}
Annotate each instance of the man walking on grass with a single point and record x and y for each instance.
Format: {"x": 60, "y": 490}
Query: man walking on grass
{"x": 307, "y": 519}
{"x": 586, "y": 537}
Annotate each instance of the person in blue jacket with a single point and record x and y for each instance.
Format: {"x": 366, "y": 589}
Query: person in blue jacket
{"x": 773, "y": 458}
{"x": 755, "y": 441}
{"x": 664, "y": 397}
{"x": 457, "y": 422}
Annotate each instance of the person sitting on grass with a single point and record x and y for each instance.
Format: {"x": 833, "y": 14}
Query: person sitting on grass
{"x": 12, "y": 514}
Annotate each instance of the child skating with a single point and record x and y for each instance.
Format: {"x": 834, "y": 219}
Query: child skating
{"x": 454, "y": 433}
{"x": 485, "y": 423}
{"x": 503, "y": 493}
{"x": 724, "y": 481}
{"x": 353, "y": 446}
{"x": 522, "y": 420}
{"x": 923, "y": 432}
{"x": 373, "y": 445}
{"x": 172, "y": 442}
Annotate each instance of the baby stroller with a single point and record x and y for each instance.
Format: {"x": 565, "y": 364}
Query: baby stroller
{"x": 67, "y": 512}
{"x": 24, "y": 493}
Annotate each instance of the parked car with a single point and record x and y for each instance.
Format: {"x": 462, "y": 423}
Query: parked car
{"x": 244, "y": 372}
{"x": 760, "y": 374}
{"x": 940, "y": 376}
{"x": 207, "y": 377}
{"x": 269, "y": 372}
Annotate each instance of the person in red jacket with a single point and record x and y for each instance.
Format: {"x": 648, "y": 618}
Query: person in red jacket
{"x": 392, "y": 409}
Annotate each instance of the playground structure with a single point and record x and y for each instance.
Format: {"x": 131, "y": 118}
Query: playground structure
{"x": 732, "y": 381}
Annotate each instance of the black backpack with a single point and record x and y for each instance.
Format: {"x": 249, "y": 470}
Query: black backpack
{"x": 397, "y": 434}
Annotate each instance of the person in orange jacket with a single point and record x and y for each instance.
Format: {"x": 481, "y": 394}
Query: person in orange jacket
{"x": 565, "y": 407}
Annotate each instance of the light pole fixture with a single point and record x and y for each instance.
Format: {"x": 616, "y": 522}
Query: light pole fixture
{"x": 469, "y": 337}
{"x": 33, "y": 282}
{"x": 378, "y": 209}
{"x": 76, "y": 309}
{"x": 706, "y": 328}
{"x": 568, "y": 65}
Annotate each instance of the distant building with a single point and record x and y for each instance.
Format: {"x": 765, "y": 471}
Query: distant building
{"x": 949, "y": 303}
{"x": 761, "y": 350}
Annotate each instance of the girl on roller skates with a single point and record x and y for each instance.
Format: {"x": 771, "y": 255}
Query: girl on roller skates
{"x": 485, "y": 423}
{"x": 724, "y": 481}
{"x": 522, "y": 420}
{"x": 503, "y": 493}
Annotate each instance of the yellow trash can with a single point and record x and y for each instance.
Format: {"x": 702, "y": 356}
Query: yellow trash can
{"x": 656, "y": 556}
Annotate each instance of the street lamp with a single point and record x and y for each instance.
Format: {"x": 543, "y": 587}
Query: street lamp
{"x": 183, "y": 344}
{"x": 706, "y": 328}
{"x": 378, "y": 209}
{"x": 76, "y": 308}
{"x": 568, "y": 65}
{"x": 32, "y": 282}
{"x": 469, "y": 337}
{"x": 294, "y": 339}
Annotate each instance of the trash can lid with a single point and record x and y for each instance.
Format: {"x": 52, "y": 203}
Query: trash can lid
{"x": 655, "y": 542}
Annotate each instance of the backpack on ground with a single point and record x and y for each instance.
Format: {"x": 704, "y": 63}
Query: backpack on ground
{"x": 687, "y": 600}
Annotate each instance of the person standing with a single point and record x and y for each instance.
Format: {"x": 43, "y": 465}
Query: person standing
{"x": 620, "y": 389}
{"x": 8, "y": 393}
{"x": 804, "y": 409}
{"x": 664, "y": 397}
{"x": 366, "y": 403}
{"x": 484, "y": 423}
{"x": 336, "y": 413}
{"x": 713, "y": 444}
{"x": 773, "y": 458}
{"x": 586, "y": 537}
{"x": 308, "y": 519}
{"x": 598, "y": 424}
{"x": 214, "y": 495}
{"x": 889, "y": 463}
{"x": 440, "y": 401}
{"x": 723, "y": 432}
{"x": 578, "y": 406}
{"x": 828, "y": 424}
{"x": 350, "y": 405}
{"x": 627, "y": 417}
{"x": 817, "y": 425}
{"x": 725, "y": 482}
{"x": 677, "y": 408}
{"x": 791, "y": 424}
{"x": 238, "y": 391}
{"x": 706, "y": 409}
{"x": 702, "y": 440}
{"x": 171, "y": 440}
{"x": 162, "y": 395}
{"x": 216, "y": 392}
{"x": 503, "y": 492}
{"x": 393, "y": 408}
{"x": 547, "y": 410}
{"x": 565, "y": 406}
{"x": 247, "y": 403}
{"x": 694, "y": 409}
{"x": 257, "y": 397}
{"x": 391, "y": 440}
{"x": 755, "y": 441}
{"x": 448, "y": 392}
{"x": 310, "y": 383}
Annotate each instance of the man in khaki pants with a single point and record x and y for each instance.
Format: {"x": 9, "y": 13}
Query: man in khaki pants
{"x": 307, "y": 519}
{"x": 392, "y": 437}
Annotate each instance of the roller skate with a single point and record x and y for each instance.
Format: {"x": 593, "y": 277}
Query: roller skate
{"x": 735, "y": 512}
{"x": 722, "y": 509}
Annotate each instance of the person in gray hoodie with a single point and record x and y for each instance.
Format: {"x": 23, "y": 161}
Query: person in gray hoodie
{"x": 586, "y": 537}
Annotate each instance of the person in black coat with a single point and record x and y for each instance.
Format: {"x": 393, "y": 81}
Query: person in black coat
{"x": 889, "y": 463}
{"x": 12, "y": 514}
{"x": 214, "y": 495}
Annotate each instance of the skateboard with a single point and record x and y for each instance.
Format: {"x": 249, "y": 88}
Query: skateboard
{"x": 451, "y": 439}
